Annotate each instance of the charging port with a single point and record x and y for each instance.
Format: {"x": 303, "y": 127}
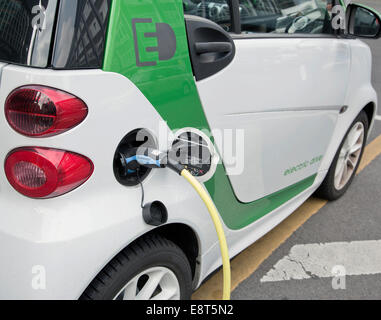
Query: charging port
{"x": 132, "y": 140}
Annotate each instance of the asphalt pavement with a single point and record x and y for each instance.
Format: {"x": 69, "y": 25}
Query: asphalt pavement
{"x": 336, "y": 254}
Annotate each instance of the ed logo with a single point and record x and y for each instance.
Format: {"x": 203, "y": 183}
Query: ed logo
{"x": 150, "y": 38}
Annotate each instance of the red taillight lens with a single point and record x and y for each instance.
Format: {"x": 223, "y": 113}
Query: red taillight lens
{"x": 46, "y": 173}
{"x": 37, "y": 111}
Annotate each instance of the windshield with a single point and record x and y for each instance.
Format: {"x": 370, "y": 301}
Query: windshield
{"x": 26, "y": 31}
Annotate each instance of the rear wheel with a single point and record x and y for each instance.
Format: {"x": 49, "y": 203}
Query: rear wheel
{"x": 346, "y": 161}
{"x": 157, "y": 283}
{"x": 153, "y": 268}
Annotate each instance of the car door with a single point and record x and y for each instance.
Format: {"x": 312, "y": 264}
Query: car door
{"x": 283, "y": 88}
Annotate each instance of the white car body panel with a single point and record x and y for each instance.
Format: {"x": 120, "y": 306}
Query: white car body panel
{"x": 359, "y": 94}
{"x": 288, "y": 89}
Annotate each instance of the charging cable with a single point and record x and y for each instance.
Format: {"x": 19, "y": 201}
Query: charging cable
{"x": 219, "y": 229}
{"x": 155, "y": 159}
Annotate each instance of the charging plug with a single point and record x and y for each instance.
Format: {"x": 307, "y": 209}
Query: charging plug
{"x": 149, "y": 158}
{"x": 137, "y": 157}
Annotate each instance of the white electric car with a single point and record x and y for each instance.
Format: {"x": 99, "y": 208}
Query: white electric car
{"x": 277, "y": 93}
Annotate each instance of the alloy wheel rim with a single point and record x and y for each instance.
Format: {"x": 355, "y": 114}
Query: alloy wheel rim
{"x": 349, "y": 155}
{"x": 157, "y": 283}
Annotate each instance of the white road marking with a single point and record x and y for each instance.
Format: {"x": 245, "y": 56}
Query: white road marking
{"x": 317, "y": 260}
{"x": 378, "y": 118}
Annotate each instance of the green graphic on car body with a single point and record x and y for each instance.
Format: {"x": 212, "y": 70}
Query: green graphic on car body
{"x": 303, "y": 165}
{"x": 170, "y": 87}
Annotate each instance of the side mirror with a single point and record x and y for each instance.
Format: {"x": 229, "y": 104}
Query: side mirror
{"x": 363, "y": 22}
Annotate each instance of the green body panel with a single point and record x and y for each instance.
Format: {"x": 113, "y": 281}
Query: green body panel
{"x": 170, "y": 87}
{"x": 238, "y": 215}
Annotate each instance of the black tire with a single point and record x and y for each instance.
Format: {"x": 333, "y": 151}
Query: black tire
{"x": 327, "y": 190}
{"x": 147, "y": 252}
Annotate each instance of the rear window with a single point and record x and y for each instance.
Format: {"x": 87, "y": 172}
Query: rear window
{"x": 26, "y": 31}
{"x": 81, "y": 34}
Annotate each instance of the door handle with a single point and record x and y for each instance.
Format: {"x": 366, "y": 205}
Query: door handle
{"x": 213, "y": 47}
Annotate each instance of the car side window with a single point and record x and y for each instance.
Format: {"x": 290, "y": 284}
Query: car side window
{"x": 217, "y": 11}
{"x": 286, "y": 16}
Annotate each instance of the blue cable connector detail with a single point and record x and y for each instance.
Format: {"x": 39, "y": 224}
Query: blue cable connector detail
{"x": 144, "y": 160}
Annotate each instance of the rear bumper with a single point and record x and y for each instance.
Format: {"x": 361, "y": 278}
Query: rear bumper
{"x": 34, "y": 271}
{"x": 53, "y": 249}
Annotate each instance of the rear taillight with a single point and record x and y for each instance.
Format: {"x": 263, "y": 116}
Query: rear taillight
{"x": 37, "y": 111}
{"x": 46, "y": 173}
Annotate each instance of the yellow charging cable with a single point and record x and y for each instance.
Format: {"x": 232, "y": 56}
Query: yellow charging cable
{"x": 220, "y": 231}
